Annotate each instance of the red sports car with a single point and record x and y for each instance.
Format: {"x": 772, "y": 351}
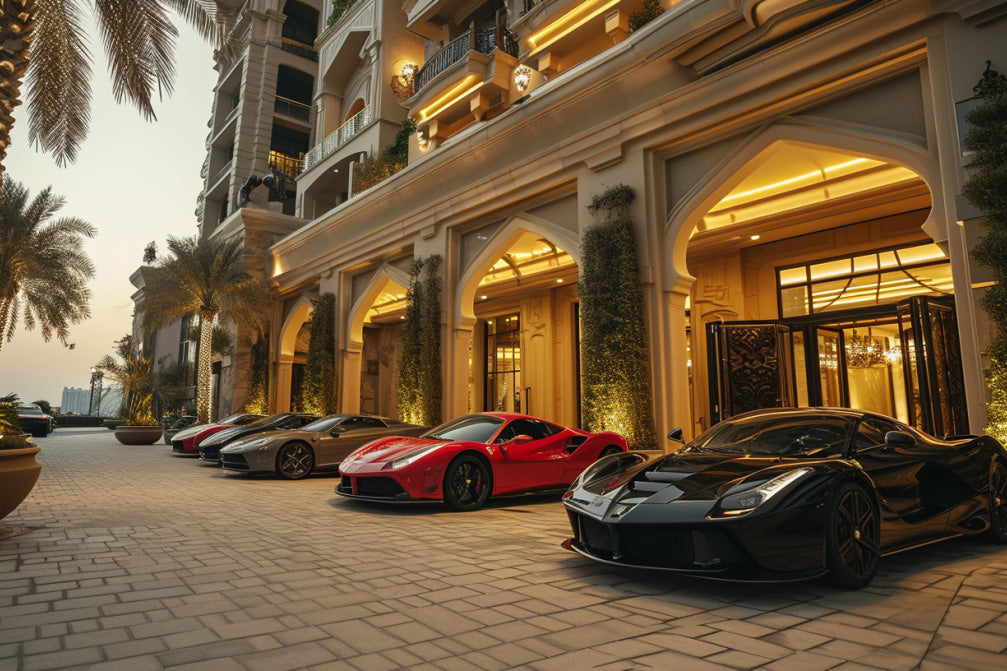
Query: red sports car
{"x": 187, "y": 441}
{"x": 468, "y": 459}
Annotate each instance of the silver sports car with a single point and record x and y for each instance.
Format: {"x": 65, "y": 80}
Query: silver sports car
{"x": 294, "y": 453}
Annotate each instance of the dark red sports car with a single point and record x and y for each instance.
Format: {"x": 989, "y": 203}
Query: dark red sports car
{"x": 471, "y": 458}
{"x": 187, "y": 441}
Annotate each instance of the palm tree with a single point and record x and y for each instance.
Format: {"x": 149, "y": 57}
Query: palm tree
{"x": 139, "y": 40}
{"x": 43, "y": 267}
{"x": 132, "y": 371}
{"x": 203, "y": 276}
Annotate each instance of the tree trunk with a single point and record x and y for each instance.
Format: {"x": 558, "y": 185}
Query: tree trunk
{"x": 6, "y": 316}
{"x": 17, "y": 19}
{"x": 203, "y": 372}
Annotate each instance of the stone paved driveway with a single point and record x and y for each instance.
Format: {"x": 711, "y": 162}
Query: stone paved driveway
{"x": 129, "y": 558}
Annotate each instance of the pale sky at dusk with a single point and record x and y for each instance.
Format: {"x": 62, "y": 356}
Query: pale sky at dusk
{"x": 135, "y": 182}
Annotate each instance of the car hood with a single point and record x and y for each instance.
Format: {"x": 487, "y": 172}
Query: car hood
{"x": 390, "y": 449}
{"x": 191, "y": 431}
{"x": 687, "y": 476}
{"x": 276, "y": 437}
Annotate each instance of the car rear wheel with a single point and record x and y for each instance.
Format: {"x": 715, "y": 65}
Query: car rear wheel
{"x": 295, "y": 461}
{"x": 998, "y": 503}
{"x": 608, "y": 451}
{"x": 467, "y": 483}
{"x": 853, "y": 534}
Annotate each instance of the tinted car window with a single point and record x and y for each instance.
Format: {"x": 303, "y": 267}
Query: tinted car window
{"x": 477, "y": 428}
{"x": 363, "y": 423}
{"x": 527, "y": 427}
{"x": 778, "y": 435}
{"x": 871, "y": 432}
{"x": 324, "y": 424}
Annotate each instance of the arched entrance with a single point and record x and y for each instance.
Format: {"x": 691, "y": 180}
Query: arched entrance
{"x": 292, "y": 355}
{"x": 816, "y": 283}
{"x": 518, "y": 308}
{"x": 371, "y": 355}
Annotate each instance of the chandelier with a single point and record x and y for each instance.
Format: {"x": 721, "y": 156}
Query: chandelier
{"x": 866, "y": 351}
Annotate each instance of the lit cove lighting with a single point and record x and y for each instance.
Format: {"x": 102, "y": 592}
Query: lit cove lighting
{"x": 450, "y": 97}
{"x": 569, "y": 22}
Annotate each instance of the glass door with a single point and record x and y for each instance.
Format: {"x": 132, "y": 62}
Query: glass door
{"x": 503, "y": 364}
{"x": 932, "y": 366}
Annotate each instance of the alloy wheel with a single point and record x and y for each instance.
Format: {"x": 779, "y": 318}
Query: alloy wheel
{"x": 856, "y": 534}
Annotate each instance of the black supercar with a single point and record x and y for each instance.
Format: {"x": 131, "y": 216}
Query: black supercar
{"x": 789, "y": 494}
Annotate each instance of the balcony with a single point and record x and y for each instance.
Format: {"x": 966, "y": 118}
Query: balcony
{"x": 463, "y": 81}
{"x": 291, "y": 166}
{"x": 292, "y": 109}
{"x": 556, "y": 35}
{"x": 337, "y": 138}
{"x": 299, "y": 49}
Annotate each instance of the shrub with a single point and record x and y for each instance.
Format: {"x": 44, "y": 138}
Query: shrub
{"x": 650, "y": 10}
{"x": 375, "y": 169}
{"x": 318, "y": 394}
{"x": 419, "y": 390}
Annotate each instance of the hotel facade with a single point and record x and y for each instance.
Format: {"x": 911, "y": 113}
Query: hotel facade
{"x": 797, "y": 165}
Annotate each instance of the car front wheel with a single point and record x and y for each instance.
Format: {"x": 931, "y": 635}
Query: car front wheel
{"x": 295, "y": 461}
{"x": 467, "y": 483}
{"x": 853, "y": 534}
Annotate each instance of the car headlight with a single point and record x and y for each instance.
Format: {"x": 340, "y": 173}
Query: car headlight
{"x": 740, "y": 503}
{"x": 411, "y": 457}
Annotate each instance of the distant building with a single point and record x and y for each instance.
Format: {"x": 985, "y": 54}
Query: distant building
{"x": 76, "y": 401}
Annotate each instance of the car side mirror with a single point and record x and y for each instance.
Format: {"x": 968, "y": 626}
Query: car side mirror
{"x": 676, "y": 435}
{"x": 520, "y": 439}
{"x": 899, "y": 439}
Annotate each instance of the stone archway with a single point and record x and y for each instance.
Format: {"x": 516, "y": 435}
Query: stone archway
{"x": 525, "y": 273}
{"x": 358, "y": 380}
{"x": 299, "y": 315}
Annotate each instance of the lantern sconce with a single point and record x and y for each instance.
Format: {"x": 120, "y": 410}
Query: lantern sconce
{"x": 402, "y": 83}
{"x": 522, "y": 77}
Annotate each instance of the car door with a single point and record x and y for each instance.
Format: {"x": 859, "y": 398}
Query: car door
{"x": 351, "y": 433}
{"x": 534, "y": 464}
{"x": 900, "y": 475}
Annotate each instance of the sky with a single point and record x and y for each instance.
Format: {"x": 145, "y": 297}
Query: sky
{"x": 136, "y": 182}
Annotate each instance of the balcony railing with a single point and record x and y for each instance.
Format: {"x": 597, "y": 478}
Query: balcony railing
{"x": 338, "y": 137}
{"x": 299, "y": 48}
{"x": 290, "y": 166}
{"x": 484, "y": 41}
{"x": 292, "y": 108}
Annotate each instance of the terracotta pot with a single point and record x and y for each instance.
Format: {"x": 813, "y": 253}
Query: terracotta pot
{"x": 137, "y": 435}
{"x": 18, "y": 473}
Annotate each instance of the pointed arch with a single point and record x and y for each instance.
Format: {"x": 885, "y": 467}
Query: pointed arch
{"x": 385, "y": 277}
{"x": 908, "y": 151}
{"x": 497, "y": 245}
{"x": 300, "y": 313}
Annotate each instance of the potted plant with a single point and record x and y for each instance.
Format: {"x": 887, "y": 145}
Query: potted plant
{"x": 18, "y": 468}
{"x": 132, "y": 370}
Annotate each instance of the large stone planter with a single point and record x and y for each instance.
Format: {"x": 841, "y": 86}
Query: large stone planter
{"x": 18, "y": 473}
{"x": 137, "y": 435}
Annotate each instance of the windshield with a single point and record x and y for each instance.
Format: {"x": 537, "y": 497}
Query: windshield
{"x": 267, "y": 421}
{"x": 30, "y": 410}
{"x": 324, "y": 424}
{"x": 776, "y": 435}
{"x": 476, "y": 428}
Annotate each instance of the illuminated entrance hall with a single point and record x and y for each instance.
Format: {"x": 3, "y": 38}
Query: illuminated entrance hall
{"x": 523, "y": 354}
{"x": 816, "y": 286}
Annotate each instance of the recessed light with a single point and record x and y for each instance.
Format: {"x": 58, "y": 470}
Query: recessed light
{"x": 482, "y": 298}
{"x": 559, "y": 280}
{"x": 756, "y": 236}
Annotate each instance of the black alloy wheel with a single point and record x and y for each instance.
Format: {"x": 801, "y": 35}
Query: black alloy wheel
{"x": 467, "y": 483}
{"x": 853, "y": 545}
{"x": 998, "y": 503}
{"x": 295, "y": 461}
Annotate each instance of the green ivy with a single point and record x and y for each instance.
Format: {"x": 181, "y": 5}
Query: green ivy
{"x": 258, "y": 388}
{"x": 375, "y": 169}
{"x": 339, "y": 9}
{"x": 987, "y": 190}
{"x": 615, "y": 358}
{"x": 319, "y": 390}
{"x": 419, "y": 389}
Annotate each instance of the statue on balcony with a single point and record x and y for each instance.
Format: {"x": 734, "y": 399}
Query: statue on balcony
{"x": 245, "y": 192}
{"x": 276, "y": 182}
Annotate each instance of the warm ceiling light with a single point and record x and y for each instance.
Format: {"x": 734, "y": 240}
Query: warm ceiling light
{"x": 482, "y": 298}
{"x": 756, "y": 236}
{"x": 454, "y": 94}
{"x": 569, "y": 22}
{"x": 559, "y": 280}
{"x": 823, "y": 174}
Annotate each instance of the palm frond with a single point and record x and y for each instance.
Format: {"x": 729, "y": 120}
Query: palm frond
{"x": 200, "y": 15}
{"x": 59, "y": 81}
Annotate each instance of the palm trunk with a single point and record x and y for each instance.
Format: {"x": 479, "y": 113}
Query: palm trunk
{"x": 203, "y": 365}
{"x": 17, "y": 19}
{"x": 6, "y": 319}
